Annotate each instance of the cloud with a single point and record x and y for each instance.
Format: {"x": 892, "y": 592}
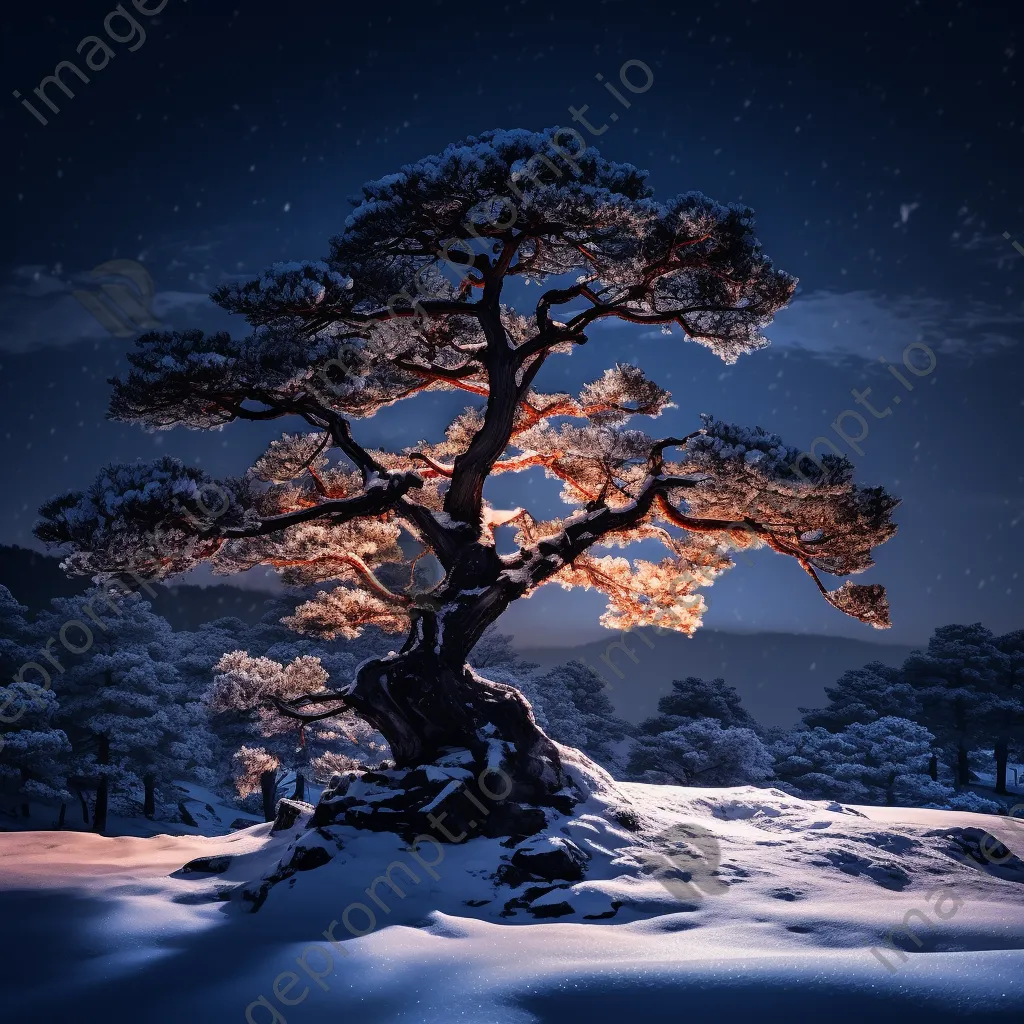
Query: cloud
{"x": 869, "y": 325}
{"x": 38, "y": 310}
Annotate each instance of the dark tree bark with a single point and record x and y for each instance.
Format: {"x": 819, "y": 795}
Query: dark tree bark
{"x": 99, "y": 816}
{"x": 268, "y": 786}
{"x": 149, "y": 800}
{"x": 61, "y": 816}
{"x": 85, "y": 807}
{"x": 300, "y": 787}
{"x": 933, "y": 767}
{"x": 963, "y": 765}
{"x": 1002, "y": 752}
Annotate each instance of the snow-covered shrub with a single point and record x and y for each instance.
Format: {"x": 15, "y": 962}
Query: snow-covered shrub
{"x": 701, "y": 752}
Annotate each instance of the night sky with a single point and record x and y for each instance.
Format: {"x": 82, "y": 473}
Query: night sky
{"x": 881, "y": 146}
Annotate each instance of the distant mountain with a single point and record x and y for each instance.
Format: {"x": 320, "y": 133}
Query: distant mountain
{"x": 35, "y": 579}
{"x": 775, "y": 673}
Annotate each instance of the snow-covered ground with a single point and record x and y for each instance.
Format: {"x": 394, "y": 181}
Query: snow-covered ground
{"x": 110, "y": 930}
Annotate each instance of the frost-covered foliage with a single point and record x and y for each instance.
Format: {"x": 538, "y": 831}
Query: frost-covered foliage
{"x": 701, "y": 752}
{"x": 410, "y": 300}
{"x": 578, "y": 713}
{"x": 964, "y": 686}
{"x": 246, "y": 719}
{"x": 885, "y": 761}
{"x": 126, "y": 709}
{"x": 693, "y": 698}
{"x": 32, "y": 748}
{"x": 864, "y": 695}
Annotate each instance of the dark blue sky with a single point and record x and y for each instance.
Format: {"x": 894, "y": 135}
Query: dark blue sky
{"x": 881, "y": 146}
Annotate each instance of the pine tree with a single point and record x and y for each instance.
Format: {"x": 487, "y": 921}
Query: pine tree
{"x": 701, "y": 752}
{"x": 884, "y": 762}
{"x": 124, "y": 706}
{"x": 864, "y": 695}
{"x": 1005, "y": 711}
{"x": 953, "y": 682}
{"x": 266, "y": 745}
{"x": 694, "y": 698}
{"x": 578, "y": 713}
{"x": 32, "y": 748}
{"x": 342, "y": 339}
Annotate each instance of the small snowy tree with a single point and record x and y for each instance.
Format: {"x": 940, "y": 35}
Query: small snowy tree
{"x": 342, "y": 339}
{"x": 701, "y": 752}
{"x": 244, "y": 705}
{"x": 579, "y": 713}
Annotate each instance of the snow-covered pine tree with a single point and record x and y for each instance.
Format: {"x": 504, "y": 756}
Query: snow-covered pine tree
{"x": 701, "y": 752}
{"x": 32, "y": 748}
{"x": 1005, "y": 711}
{"x": 864, "y": 695}
{"x": 344, "y": 338}
{"x": 133, "y": 725}
{"x": 693, "y": 698}
{"x": 701, "y": 732}
{"x": 954, "y": 681}
{"x": 883, "y": 762}
{"x": 579, "y": 713}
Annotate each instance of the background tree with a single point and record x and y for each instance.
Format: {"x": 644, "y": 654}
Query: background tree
{"x": 32, "y": 748}
{"x": 577, "y": 712}
{"x": 701, "y": 752}
{"x": 692, "y": 698}
{"x": 883, "y": 762}
{"x": 1006, "y": 705}
{"x": 954, "y": 682}
{"x": 345, "y": 338}
{"x": 132, "y": 723}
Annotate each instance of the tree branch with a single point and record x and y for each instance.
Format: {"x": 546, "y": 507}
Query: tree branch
{"x": 381, "y": 498}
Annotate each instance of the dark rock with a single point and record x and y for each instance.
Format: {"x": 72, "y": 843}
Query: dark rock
{"x": 552, "y": 910}
{"x": 441, "y": 800}
{"x": 550, "y": 858}
{"x": 608, "y": 913}
{"x": 289, "y": 812}
{"x": 307, "y": 858}
{"x": 626, "y": 818}
{"x": 207, "y": 865}
{"x": 242, "y": 823}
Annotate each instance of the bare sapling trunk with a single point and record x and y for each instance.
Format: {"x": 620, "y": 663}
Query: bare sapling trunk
{"x": 268, "y": 787}
{"x": 99, "y": 815}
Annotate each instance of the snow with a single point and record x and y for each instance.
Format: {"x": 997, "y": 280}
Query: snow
{"x": 804, "y": 890}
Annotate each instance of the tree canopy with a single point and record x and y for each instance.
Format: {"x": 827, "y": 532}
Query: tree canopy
{"x": 343, "y": 339}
